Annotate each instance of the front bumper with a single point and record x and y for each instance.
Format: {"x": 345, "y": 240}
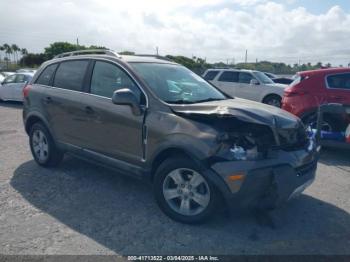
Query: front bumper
{"x": 271, "y": 182}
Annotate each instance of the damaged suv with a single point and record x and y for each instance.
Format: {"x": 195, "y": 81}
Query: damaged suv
{"x": 155, "y": 120}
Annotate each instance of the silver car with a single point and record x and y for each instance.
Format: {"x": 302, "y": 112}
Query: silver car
{"x": 247, "y": 84}
{"x": 12, "y": 86}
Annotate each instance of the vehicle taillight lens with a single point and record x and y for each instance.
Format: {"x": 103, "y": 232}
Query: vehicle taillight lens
{"x": 26, "y": 90}
{"x": 294, "y": 91}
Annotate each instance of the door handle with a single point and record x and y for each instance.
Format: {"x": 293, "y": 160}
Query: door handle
{"x": 89, "y": 110}
{"x": 48, "y": 100}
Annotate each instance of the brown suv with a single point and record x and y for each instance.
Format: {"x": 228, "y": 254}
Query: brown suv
{"x": 155, "y": 120}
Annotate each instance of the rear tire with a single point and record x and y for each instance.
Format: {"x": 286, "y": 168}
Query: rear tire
{"x": 329, "y": 123}
{"x": 43, "y": 147}
{"x": 183, "y": 192}
{"x": 273, "y": 100}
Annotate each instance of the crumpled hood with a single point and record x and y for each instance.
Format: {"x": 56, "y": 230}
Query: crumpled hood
{"x": 241, "y": 109}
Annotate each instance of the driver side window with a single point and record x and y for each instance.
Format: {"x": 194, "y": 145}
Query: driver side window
{"x": 245, "y": 78}
{"x": 107, "y": 78}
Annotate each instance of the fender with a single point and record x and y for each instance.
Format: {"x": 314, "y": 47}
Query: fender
{"x": 36, "y": 114}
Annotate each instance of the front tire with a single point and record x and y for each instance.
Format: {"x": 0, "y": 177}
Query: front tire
{"x": 273, "y": 100}
{"x": 43, "y": 147}
{"x": 182, "y": 191}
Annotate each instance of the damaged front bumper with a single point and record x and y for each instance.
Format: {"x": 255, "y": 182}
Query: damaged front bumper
{"x": 270, "y": 182}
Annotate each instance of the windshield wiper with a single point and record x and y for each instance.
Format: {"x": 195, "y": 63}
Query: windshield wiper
{"x": 180, "y": 101}
{"x": 208, "y": 100}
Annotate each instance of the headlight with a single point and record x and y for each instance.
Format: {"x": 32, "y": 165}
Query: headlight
{"x": 239, "y": 153}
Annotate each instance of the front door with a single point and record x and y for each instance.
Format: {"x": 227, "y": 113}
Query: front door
{"x": 247, "y": 90}
{"x": 113, "y": 130}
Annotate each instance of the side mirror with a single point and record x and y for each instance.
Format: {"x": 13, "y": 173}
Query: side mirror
{"x": 254, "y": 82}
{"x": 127, "y": 97}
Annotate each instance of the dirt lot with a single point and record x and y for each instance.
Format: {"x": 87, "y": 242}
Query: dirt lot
{"x": 78, "y": 208}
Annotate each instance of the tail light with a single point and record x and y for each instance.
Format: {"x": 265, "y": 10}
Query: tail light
{"x": 26, "y": 90}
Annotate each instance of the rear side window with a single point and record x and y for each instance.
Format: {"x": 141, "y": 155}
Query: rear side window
{"x": 107, "y": 78}
{"x": 211, "y": 75}
{"x": 20, "y": 79}
{"x": 228, "y": 76}
{"x": 46, "y": 75}
{"x": 339, "y": 81}
{"x": 245, "y": 78}
{"x": 70, "y": 75}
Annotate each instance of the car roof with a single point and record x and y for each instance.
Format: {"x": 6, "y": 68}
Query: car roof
{"x": 325, "y": 71}
{"x": 123, "y": 58}
{"x": 232, "y": 70}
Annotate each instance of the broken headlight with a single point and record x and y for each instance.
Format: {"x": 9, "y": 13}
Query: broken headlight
{"x": 238, "y": 147}
{"x": 239, "y": 153}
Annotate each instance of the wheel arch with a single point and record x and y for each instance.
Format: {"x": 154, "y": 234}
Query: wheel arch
{"x": 270, "y": 95}
{"x": 35, "y": 118}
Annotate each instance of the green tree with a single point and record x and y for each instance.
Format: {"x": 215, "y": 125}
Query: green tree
{"x": 59, "y": 48}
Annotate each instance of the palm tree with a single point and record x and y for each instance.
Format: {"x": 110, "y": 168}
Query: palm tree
{"x": 15, "y": 50}
{"x": 2, "y": 48}
{"x": 8, "y": 50}
{"x": 24, "y": 52}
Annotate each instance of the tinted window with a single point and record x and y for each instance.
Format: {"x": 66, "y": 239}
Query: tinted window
{"x": 107, "y": 78}
{"x": 211, "y": 75}
{"x": 339, "y": 81}
{"x": 228, "y": 76}
{"x": 45, "y": 76}
{"x": 20, "y": 79}
{"x": 70, "y": 75}
{"x": 245, "y": 78}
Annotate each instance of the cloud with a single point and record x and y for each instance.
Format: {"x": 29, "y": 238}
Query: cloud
{"x": 215, "y": 29}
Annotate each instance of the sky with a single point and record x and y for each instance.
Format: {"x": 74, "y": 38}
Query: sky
{"x": 290, "y": 31}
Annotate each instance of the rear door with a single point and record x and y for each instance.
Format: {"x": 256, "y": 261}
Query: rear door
{"x": 113, "y": 130}
{"x": 338, "y": 88}
{"x": 227, "y": 82}
{"x": 65, "y": 102}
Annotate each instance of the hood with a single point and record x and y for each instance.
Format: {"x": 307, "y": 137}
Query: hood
{"x": 241, "y": 109}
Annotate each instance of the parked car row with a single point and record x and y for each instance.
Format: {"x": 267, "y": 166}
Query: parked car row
{"x": 307, "y": 91}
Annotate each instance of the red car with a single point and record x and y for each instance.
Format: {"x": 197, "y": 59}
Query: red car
{"x": 311, "y": 89}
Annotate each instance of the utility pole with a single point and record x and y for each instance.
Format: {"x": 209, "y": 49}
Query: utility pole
{"x": 246, "y": 56}
{"x": 157, "y": 50}
{"x": 77, "y": 42}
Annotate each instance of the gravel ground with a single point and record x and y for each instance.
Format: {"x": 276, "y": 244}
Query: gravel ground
{"x": 79, "y": 208}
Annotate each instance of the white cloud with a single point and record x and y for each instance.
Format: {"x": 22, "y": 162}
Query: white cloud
{"x": 216, "y": 29}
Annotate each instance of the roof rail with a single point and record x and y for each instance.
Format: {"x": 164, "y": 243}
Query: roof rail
{"x": 89, "y": 52}
{"x": 155, "y": 56}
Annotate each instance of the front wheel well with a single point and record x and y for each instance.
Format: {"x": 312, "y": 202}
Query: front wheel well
{"x": 271, "y": 95}
{"x": 165, "y": 154}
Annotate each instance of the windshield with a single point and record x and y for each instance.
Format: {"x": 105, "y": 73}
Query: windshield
{"x": 176, "y": 84}
{"x": 263, "y": 78}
